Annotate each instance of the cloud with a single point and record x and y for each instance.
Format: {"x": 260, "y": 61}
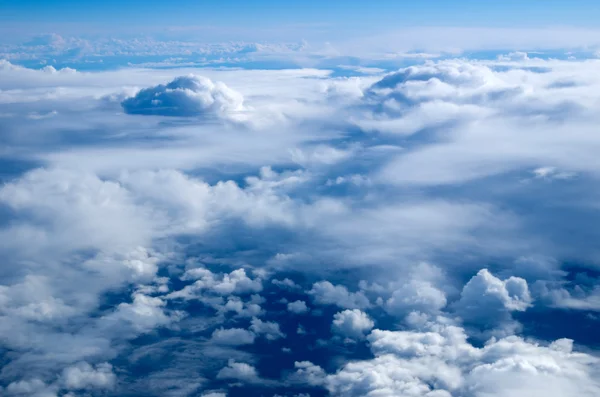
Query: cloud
{"x": 84, "y": 376}
{"x": 285, "y": 283}
{"x": 214, "y": 394}
{"x": 155, "y": 249}
{"x": 270, "y": 330}
{"x": 441, "y": 363}
{"x": 297, "y": 307}
{"x": 325, "y": 293}
{"x": 309, "y": 373}
{"x": 236, "y": 282}
{"x": 144, "y": 314}
{"x": 352, "y": 323}
{"x": 487, "y": 302}
{"x": 239, "y": 371}
{"x": 232, "y": 337}
{"x": 420, "y": 293}
{"x": 187, "y": 96}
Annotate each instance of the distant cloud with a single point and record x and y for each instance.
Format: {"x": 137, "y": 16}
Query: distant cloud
{"x": 187, "y": 96}
{"x": 83, "y": 376}
{"x": 270, "y": 330}
{"x": 232, "y": 337}
{"x": 297, "y": 307}
{"x": 325, "y": 293}
{"x": 238, "y": 371}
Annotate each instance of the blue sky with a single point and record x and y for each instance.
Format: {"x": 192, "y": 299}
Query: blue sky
{"x": 149, "y": 16}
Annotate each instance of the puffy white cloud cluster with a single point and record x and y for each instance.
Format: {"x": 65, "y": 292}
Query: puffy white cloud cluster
{"x": 419, "y": 291}
{"x": 232, "y": 336}
{"x": 187, "y": 96}
{"x": 84, "y": 376}
{"x": 353, "y": 324}
{"x": 79, "y": 378}
{"x": 480, "y": 109}
{"x": 239, "y": 371}
{"x": 441, "y": 363}
{"x": 325, "y": 293}
{"x": 268, "y": 329}
{"x": 298, "y": 307}
{"x": 236, "y": 282}
{"x": 487, "y": 302}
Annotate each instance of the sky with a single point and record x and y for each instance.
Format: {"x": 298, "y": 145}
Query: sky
{"x": 354, "y": 17}
{"x": 222, "y": 199}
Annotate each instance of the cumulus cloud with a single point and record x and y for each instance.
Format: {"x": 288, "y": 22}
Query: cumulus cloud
{"x": 187, "y": 96}
{"x": 421, "y": 293}
{"x": 325, "y": 293}
{"x": 144, "y": 314}
{"x": 487, "y": 302}
{"x": 352, "y": 324}
{"x": 236, "y": 282}
{"x": 270, "y": 330}
{"x": 441, "y": 363}
{"x": 307, "y": 372}
{"x": 238, "y": 371}
{"x": 298, "y": 307}
{"x": 200, "y": 235}
{"x": 84, "y": 376}
{"x": 285, "y": 283}
{"x": 232, "y": 337}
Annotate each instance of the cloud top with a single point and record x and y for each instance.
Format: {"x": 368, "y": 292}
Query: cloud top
{"x": 186, "y": 96}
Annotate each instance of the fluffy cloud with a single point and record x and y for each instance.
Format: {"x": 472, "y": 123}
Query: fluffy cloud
{"x": 420, "y": 293}
{"x": 352, "y": 323}
{"x": 232, "y": 336}
{"x": 191, "y": 233}
{"x": 309, "y": 373}
{"x": 325, "y": 293}
{"x": 441, "y": 363}
{"x": 487, "y": 302}
{"x": 144, "y": 314}
{"x": 84, "y": 376}
{"x": 187, "y": 96}
{"x": 297, "y": 307}
{"x": 268, "y": 329}
{"x": 238, "y": 371}
{"x": 236, "y": 282}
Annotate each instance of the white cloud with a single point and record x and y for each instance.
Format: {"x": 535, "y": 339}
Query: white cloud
{"x": 187, "y": 96}
{"x": 236, "y": 282}
{"x": 441, "y": 363}
{"x": 285, "y": 283}
{"x": 352, "y": 324}
{"x": 239, "y": 371}
{"x": 487, "y": 302}
{"x": 241, "y": 308}
{"x": 325, "y": 293}
{"x": 308, "y": 373}
{"x": 144, "y": 314}
{"x": 84, "y": 376}
{"x": 305, "y": 192}
{"x": 33, "y": 387}
{"x": 415, "y": 295}
{"x": 297, "y": 307}
{"x": 232, "y": 336}
{"x": 268, "y": 329}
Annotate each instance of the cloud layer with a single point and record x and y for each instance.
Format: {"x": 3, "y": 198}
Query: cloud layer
{"x": 427, "y": 231}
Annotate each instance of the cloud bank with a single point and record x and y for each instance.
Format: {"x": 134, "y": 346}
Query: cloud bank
{"x": 423, "y": 231}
